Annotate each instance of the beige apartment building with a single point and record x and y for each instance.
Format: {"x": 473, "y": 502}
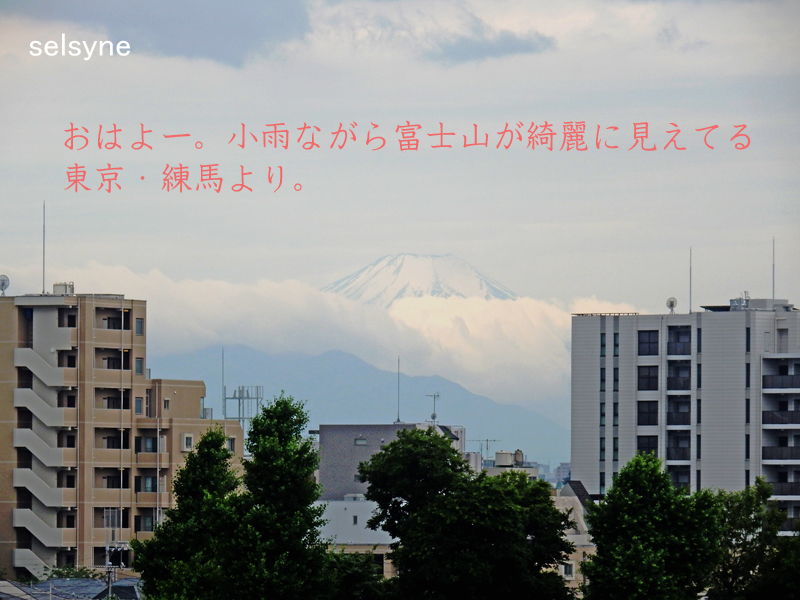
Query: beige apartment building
{"x": 89, "y": 444}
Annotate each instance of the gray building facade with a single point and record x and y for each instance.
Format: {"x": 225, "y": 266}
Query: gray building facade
{"x": 715, "y": 394}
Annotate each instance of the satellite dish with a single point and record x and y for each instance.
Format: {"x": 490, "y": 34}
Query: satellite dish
{"x": 671, "y": 304}
{"x": 3, "y": 285}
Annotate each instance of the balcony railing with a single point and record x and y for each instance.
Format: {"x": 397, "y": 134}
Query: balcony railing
{"x": 790, "y": 525}
{"x": 786, "y": 489}
{"x": 780, "y": 453}
{"x": 679, "y": 418}
{"x": 679, "y": 453}
{"x": 679, "y": 348}
{"x": 780, "y": 417}
{"x": 679, "y": 383}
{"x": 781, "y": 381}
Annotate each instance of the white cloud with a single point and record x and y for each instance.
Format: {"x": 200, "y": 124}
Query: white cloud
{"x": 513, "y": 351}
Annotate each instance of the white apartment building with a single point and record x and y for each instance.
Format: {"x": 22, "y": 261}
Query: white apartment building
{"x": 715, "y": 394}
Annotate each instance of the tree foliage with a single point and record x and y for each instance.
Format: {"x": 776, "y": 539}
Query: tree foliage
{"x": 462, "y": 535}
{"x": 72, "y": 572}
{"x": 654, "y": 541}
{"x": 755, "y": 562}
{"x": 188, "y": 554}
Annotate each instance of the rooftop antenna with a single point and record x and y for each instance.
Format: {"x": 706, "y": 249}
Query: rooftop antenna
{"x": 224, "y": 395}
{"x": 398, "y": 391}
{"x": 480, "y": 445}
{"x": 773, "y": 271}
{"x": 690, "y": 280}
{"x": 3, "y": 285}
{"x": 44, "y": 238}
{"x": 671, "y": 304}
{"x": 435, "y": 396}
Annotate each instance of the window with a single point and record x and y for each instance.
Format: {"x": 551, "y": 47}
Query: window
{"x": 698, "y": 480}
{"x": 568, "y": 571}
{"x": 140, "y": 366}
{"x": 699, "y": 345}
{"x": 699, "y": 376}
{"x": 232, "y": 445}
{"x": 747, "y": 446}
{"x": 699, "y": 411}
{"x": 616, "y": 414}
{"x": 602, "y": 413}
{"x": 166, "y": 403}
{"x": 616, "y": 379}
{"x": 355, "y": 519}
{"x": 602, "y": 448}
{"x": 616, "y": 344}
{"x": 647, "y": 413}
{"x": 648, "y": 379}
{"x": 747, "y": 339}
{"x": 360, "y": 442}
{"x": 648, "y": 343}
{"x": 747, "y": 375}
{"x": 647, "y": 444}
{"x": 357, "y": 478}
{"x": 602, "y": 483}
{"x": 747, "y": 478}
{"x": 602, "y": 379}
{"x": 615, "y": 456}
{"x": 188, "y": 442}
{"x": 747, "y": 410}
{"x": 679, "y": 341}
{"x": 139, "y": 326}
{"x": 602, "y": 344}
{"x": 698, "y": 448}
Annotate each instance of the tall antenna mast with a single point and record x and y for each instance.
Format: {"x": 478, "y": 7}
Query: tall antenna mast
{"x": 44, "y": 238}
{"x": 773, "y": 270}
{"x": 435, "y": 396}
{"x": 224, "y": 395}
{"x": 690, "y": 280}
{"x": 398, "y": 391}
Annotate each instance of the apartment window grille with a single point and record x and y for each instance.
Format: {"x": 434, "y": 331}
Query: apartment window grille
{"x": 648, "y": 378}
{"x": 679, "y": 341}
{"x": 648, "y": 343}
{"x": 647, "y": 412}
{"x": 647, "y": 444}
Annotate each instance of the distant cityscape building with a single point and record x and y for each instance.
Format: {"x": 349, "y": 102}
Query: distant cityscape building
{"x": 715, "y": 394}
{"x": 90, "y": 442}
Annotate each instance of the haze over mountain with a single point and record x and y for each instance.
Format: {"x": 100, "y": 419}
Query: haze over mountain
{"x": 341, "y": 388}
{"x": 391, "y": 278}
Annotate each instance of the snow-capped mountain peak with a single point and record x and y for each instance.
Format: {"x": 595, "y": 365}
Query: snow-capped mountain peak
{"x": 410, "y": 275}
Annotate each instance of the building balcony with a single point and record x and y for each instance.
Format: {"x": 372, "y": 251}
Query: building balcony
{"x": 49, "y": 415}
{"x": 780, "y": 453}
{"x": 679, "y": 383}
{"x": 780, "y": 417}
{"x": 790, "y": 524}
{"x": 49, "y": 496}
{"x": 113, "y": 457}
{"x": 112, "y": 417}
{"x": 146, "y": 499}
{"x": 112, "y": 338}
{"x": 679, "y": 418}
{"x": 679, "y": 348}
{"x": 780, "y": 382}
{"x": 51, "y": 457}
{"x": 111, "y": 378}
{"x": 679, "y": 453}
{"x": 152, "y": 459}
{"x": 111, "y": 496}
{"x": 51, "y": 537}
{"x": 786, "y": 489}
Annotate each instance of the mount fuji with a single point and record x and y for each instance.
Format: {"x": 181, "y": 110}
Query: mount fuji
{"x": 391, "y": 278}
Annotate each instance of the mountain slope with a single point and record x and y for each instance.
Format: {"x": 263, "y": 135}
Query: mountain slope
{"x": 341, "y": 388}
{"x": 409, "y": 275}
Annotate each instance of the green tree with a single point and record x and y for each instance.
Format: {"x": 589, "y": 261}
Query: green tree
{"x": 279, "y": 550}
{"x": 355, "y": 576}
{"x": 654, "y": 542}
{"x": 71, "y": 572}
{"x": 779, "y": 575}
{"x": 187, "y": 555}
{"x": 462, "y": 535}
{"x": 750, "y": 526}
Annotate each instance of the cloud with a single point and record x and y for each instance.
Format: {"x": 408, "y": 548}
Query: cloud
{"x": 226, "y": 33}
{"x": 505, "y": 43}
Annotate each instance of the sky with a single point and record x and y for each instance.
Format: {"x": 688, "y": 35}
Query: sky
{"x": 567, "y": 230}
